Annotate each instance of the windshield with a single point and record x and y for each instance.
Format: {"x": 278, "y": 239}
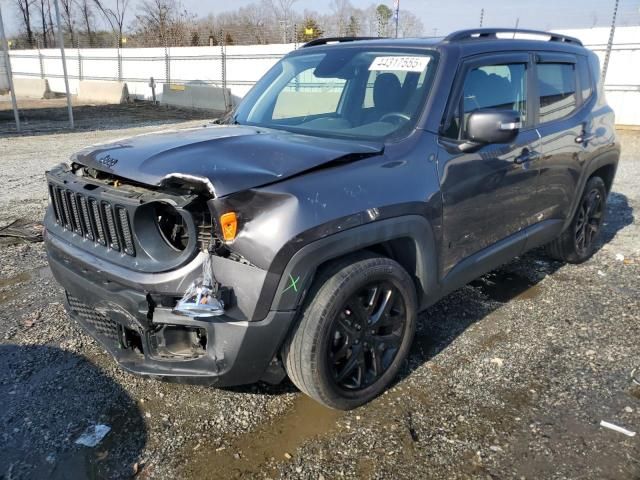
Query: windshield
{"x": 369, "y": 93}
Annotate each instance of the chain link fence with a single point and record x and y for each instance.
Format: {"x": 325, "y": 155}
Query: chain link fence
{"x": 224, "y": 59}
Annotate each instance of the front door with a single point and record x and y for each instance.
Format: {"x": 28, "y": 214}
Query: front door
{"x": 487, "y": 194}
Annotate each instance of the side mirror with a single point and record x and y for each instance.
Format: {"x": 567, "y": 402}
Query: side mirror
{"x": 493, "y": 126}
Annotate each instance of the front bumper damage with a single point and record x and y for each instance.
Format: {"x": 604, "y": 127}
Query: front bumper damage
{"x": 116, "y": 306}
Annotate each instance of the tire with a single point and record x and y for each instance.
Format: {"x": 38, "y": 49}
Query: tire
{"x": 333, "y": 332}
{"x": 577, "y": 243}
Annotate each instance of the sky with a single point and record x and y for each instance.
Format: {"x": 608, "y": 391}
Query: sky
{"x": 443, "y": 16}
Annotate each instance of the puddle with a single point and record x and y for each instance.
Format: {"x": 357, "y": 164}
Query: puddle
{"x": 503, "y": 286}
{"x": 39, "y": 441}
{"x": 15, "y": 280}
{"x": 95, "y": 462}
{"x": 305, "y": 420}
{"x": 42, "y": 273}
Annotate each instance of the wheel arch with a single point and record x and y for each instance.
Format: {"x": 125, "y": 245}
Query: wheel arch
{"x": 409, "y": 240}
{"x": 603, "y": 165}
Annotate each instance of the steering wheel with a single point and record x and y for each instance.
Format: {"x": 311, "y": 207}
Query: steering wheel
{"x": 398, "y": 115}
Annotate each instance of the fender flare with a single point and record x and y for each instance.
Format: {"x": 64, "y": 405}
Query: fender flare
{"x": 299, "y": 272}
{"x": 608, "y": 157}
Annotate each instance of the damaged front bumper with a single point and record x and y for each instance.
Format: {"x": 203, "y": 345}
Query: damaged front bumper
{"x": 117, "y": 307}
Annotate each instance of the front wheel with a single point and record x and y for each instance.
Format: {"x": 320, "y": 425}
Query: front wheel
{"x": 577, "y": 243}
{"x": 354, "y": 333}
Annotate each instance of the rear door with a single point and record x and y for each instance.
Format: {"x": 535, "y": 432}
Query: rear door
{"x": 487, "y": 193}
{"x": 562, "y": 123}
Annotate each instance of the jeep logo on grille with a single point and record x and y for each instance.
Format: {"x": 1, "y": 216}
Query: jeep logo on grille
{"x": 108, "y": 161}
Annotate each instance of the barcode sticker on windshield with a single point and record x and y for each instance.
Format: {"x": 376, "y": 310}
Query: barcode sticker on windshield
{"x": 405, "y": 64}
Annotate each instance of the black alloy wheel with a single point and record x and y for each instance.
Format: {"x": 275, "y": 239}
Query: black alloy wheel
{"x": 589, "y": 219}
{"x": 579, "y": 239}
{"x": 354, "y": 332}
{"x": 366, "y": 335}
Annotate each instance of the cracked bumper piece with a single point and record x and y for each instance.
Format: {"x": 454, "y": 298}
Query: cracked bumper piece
{"x": 221, "y": 352}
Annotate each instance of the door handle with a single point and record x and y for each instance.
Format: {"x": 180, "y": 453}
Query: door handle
{"x": 526, "y": 156}
{"x": 584, "y": 138}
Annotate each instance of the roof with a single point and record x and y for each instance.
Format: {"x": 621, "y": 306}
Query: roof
{"x": 469, "y": 41}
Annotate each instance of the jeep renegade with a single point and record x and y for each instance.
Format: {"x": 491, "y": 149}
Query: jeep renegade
{"x": 357, "y": 183}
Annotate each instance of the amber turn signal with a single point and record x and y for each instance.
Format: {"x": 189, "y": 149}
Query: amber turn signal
{"x": 229, "y": 226}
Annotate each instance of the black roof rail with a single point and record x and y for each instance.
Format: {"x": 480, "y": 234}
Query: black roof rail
{"x": 324, "y": 41}
{"x": 474, "y": 33}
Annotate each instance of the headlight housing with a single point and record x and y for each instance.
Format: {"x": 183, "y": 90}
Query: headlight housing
{"x": 164, "y": 231}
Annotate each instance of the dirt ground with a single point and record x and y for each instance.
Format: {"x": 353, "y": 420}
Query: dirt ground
{"x": 38, "y": 117}
{"x": 509, "y": 377}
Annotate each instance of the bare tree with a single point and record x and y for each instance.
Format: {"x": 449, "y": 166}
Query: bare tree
{"x": 115, "y": 16}
{"x": 342, "y": 10}
{"x": 68, "y": 18}
{"x": 255, "y": 21}
{"x": 165, "y": 20}
{"x": 86, "y": 13}
{"x": 409, "y": 24}
{"x": 25, "y": 13}
{"x": 42, "y": 6}
{"x": 51, "y": 24}
{"x": 283, "y": 10}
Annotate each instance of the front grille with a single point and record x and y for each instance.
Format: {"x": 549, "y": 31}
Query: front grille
{"x": 102, "y": 324}
{"x": 94, "y": 219}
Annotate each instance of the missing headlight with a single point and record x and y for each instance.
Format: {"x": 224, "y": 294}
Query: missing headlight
{"x": 172, "y": 227}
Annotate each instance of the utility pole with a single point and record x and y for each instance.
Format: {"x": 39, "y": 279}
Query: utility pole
{"x": 481, "y": 17}
{"x": 64, "y": 63}
{"x": 607, "y": 54}
{"x": 7, "y": 62}
{"x": 396, "y": 13}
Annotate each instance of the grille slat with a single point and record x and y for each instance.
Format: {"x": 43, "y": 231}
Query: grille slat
{"x": 84, "y": 208}
{"x": 112, "y": 230}
{"x": 77, "y": 225}
{"x": 64, "y": 215}
{"x": 54, "y": 203}
{"x": 95, "y": 219}
{"x": 125, "y": 228}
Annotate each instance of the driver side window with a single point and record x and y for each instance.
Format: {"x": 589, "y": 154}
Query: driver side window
{"x": 307, "y": 95}
{"x": 491, "y": 87}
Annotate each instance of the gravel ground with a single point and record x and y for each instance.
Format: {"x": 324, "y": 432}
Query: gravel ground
{"x": 509, "y": 377}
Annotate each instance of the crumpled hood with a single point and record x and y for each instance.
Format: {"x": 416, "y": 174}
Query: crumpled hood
{"x": 230, "y": 158}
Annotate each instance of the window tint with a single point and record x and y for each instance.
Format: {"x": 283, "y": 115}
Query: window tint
{"x": 497, "y": 87}
{"x": 305, "y": 95}
{"x": 557, "y": 89}
{"x": 585, "y": 79}
{"x": 324, "y": 93}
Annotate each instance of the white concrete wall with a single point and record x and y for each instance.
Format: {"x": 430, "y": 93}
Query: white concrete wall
{"x": 4, "y": 80}
{"x": 247, "y": 63}
{"x": 622, "y": 85}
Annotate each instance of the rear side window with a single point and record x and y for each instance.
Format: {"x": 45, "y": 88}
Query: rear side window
{"x": 557, "y": 90}
{"x": 494, "y": 87}
{"x": 586, "y": 85}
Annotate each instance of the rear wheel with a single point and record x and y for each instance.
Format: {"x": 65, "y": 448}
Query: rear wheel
{"x": 354, "y": 333}
{"x": 577, "y": 243}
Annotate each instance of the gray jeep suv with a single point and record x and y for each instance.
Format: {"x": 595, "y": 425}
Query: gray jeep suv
{"x": 356, "y": 184}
